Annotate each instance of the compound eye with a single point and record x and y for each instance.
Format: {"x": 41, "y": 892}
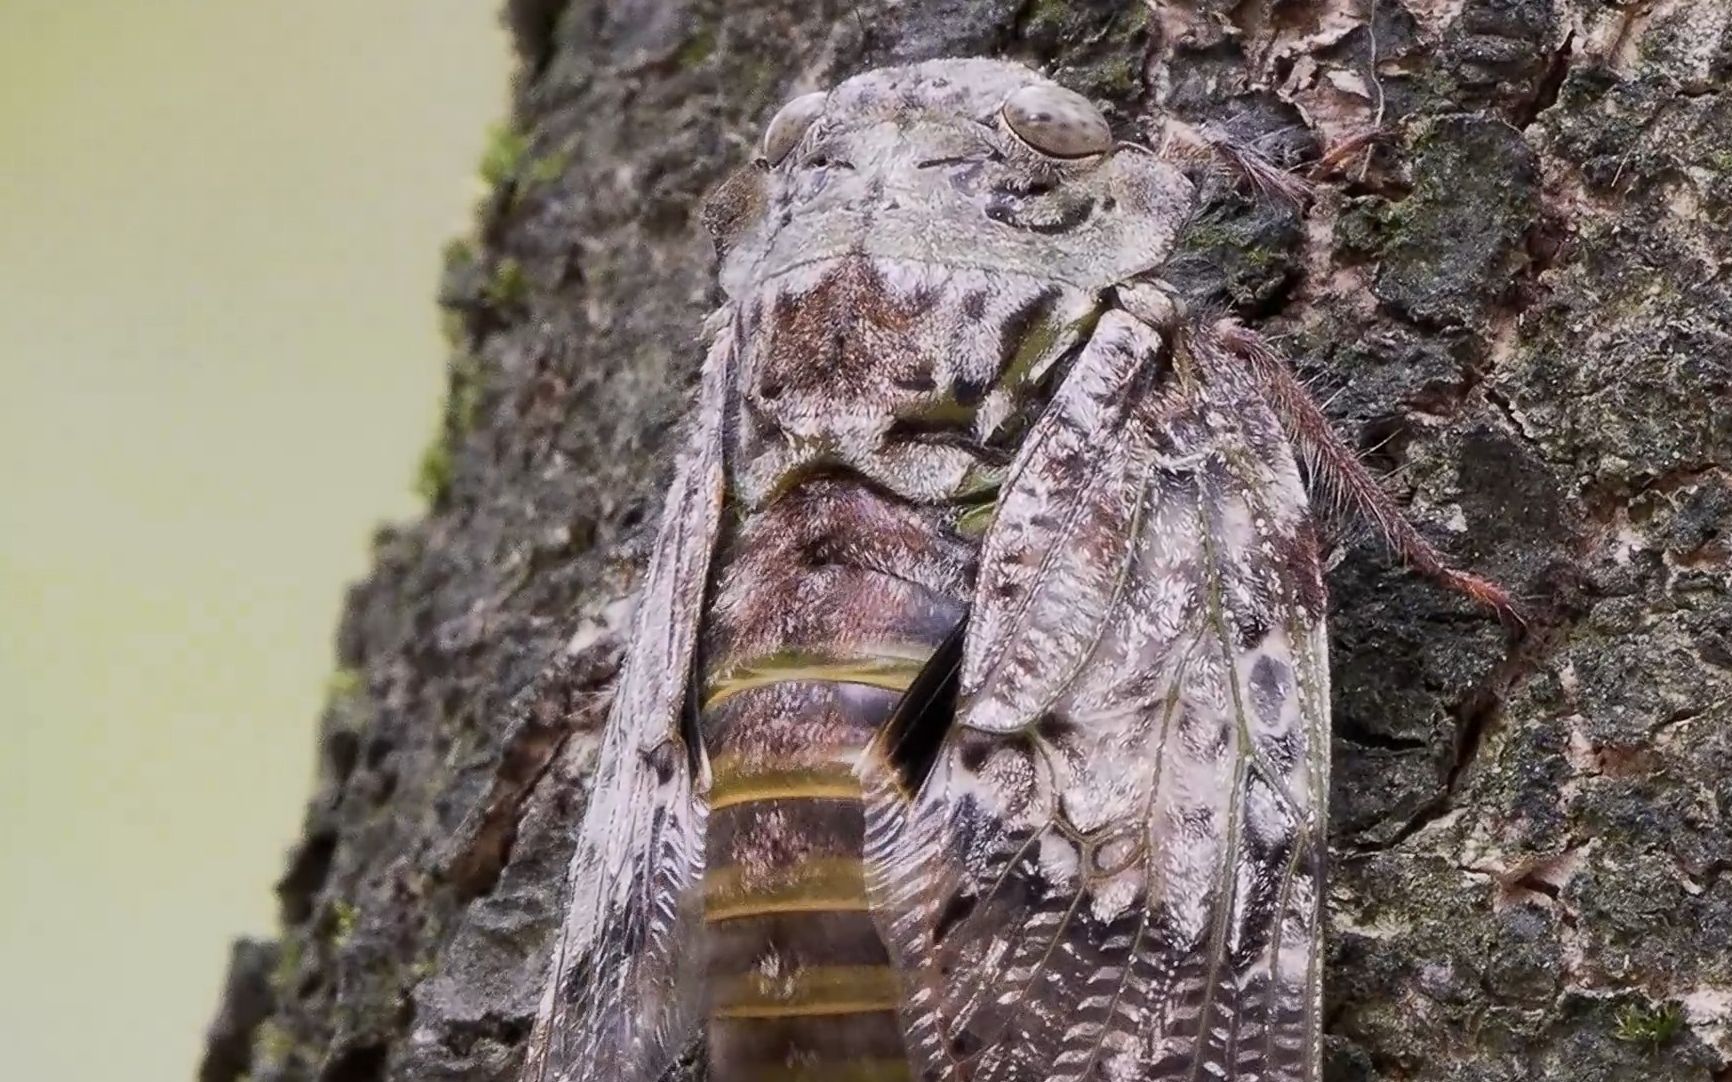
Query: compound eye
{"x": 1057, "y": 122}
{"x": 790, "y": 124}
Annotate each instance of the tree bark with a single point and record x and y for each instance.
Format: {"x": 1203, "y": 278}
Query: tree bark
{"x": 1516, "y": 297}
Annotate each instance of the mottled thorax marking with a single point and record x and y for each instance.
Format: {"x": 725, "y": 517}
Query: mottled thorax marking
{"x": 846, "y": 335}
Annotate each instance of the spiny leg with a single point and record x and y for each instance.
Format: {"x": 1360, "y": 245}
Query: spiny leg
{"x": 1338, "y": 470}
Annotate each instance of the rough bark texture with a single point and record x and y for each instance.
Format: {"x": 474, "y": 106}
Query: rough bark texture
{"x": 1519, "y": 296}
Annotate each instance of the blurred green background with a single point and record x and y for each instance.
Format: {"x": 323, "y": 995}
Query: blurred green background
{"x": 219, "y": 227}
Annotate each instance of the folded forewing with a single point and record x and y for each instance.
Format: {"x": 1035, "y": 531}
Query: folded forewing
{"x": 617, "y": 1007}
{"x": 1111, "y": 869}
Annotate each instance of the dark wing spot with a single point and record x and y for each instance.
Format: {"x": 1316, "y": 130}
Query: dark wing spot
{"x": 1197, "y": 819}
{"x": 664, "y": 760}
{"x": 974, "y": 749}
{"x": 1282, "y": 751}
{"x": 1052, "y": 728}
{"x": 1270, "y": 682}
{"x": 956, "y": 910}
{"x": 1203, "y": 733}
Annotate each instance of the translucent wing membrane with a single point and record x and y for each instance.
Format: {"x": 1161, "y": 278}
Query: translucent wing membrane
{"x": 1110, "y": 867}
{"x": 619, "y": 1005}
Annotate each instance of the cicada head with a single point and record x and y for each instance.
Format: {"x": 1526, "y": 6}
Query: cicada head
{"x": 975, "y": 163}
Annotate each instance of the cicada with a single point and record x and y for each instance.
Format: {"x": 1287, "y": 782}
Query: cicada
{"x": 974, "y": 720}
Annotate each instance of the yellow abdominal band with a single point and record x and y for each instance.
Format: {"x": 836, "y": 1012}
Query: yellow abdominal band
{"x": 809, "y": 991}
{"x": 890, "y": 667}
{"x": 829, "y": 884}
{"x": 739, "y": 779}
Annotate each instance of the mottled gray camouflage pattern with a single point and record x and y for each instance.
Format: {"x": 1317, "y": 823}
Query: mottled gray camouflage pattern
{"x": 1110, "y": 869}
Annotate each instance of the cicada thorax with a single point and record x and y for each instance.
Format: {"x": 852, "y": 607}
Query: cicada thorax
{"x": 877, "y": 410}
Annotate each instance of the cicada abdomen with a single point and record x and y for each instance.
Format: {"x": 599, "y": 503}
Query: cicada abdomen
{"x": 813, "y": 639}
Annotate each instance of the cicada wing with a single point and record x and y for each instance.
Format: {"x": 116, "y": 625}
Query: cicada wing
{"x": 1109, "y": 867}
{"x": 619, "y": 1005}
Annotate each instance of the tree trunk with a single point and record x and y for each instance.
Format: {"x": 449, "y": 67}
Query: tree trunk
{"x": 1517, "y": 299}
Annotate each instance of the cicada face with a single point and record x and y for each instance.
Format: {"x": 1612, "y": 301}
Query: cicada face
{"x": 972, "y": 163}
